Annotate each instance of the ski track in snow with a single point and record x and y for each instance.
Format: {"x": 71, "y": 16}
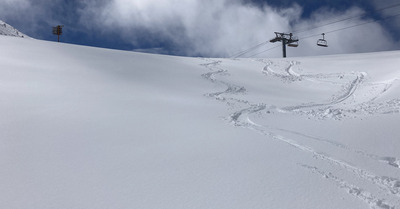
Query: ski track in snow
{"x": 392, "y": 106}
{"x": 392, "y": 161}
{"x": 349, "y": 91}
{"x": 241, "y": 118}
{"x": 230, "y": 88}
{"x": 370, "y": 199}
{"x": 332, "y": 108}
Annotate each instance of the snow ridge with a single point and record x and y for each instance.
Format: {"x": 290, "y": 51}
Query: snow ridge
{"x": 8, "y": 30}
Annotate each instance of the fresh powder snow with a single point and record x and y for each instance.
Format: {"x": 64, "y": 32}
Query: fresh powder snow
{"x": 85, "y": 127}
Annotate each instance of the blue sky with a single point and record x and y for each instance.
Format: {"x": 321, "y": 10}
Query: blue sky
{"x": 218, "y": 28}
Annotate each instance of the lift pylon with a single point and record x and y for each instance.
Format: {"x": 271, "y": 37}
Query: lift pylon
{"x": 286, "y": 39}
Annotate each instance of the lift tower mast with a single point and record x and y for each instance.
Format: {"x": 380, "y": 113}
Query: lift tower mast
{"x": 286, "y": 39}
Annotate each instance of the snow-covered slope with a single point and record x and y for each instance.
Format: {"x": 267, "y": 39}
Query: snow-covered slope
{"x": 84, "y": 127}
{"x": 8, "y": 30}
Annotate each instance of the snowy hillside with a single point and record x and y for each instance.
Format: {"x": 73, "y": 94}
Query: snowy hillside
{"x": 86, "y": 127}
{"x": 8, "y": 30}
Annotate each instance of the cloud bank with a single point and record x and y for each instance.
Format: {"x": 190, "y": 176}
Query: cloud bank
{"x": 225, "y": 27}
{"x": 218, "y": 28}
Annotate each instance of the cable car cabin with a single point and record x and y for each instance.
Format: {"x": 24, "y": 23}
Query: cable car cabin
{"x": 294, "y": 44}
{"x": 322, "y": 42}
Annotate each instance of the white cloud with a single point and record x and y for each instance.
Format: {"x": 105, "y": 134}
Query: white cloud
{"x": 389, "y": 8}
{"x": 225, "y": 27}
{"x": 30, "y": 16}
{"x": 342, "y": 37}
{"x": 8, "y": 6}
{"x": 202, "y": 27}
{"x": 214, "y": 28}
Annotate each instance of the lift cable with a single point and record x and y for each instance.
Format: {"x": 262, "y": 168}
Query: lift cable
{"x": 332, "y": 31}
{"x": 248, "y": 50}
{"x": 345, "y": 19}
{"x": 264, "y": 51}
{"x": 371, "y": 21}
{"x": 348, "y": 27}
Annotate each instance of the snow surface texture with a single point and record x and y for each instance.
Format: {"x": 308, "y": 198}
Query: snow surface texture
{"x": 8, "y": 30}
{"x": 85, "y": 127}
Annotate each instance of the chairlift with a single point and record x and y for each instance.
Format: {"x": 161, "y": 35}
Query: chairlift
{"x": 322, "y": 42}
{"x": 293, "y": 41}
{"x": 293, "y": 44}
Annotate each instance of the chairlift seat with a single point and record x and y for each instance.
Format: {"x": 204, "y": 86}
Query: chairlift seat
{"x": 294, "y": 44}
{"x": 322, "y": 42}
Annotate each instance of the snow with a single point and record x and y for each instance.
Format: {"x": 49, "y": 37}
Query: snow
{"x": 85, "y": 127}
{"x": 8, "y": 30}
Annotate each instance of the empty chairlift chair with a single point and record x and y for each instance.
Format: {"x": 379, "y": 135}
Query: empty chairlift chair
{"x": 293, "y": 44}
{"x": 293, "y": 41}
{"x": 322, "y": 42}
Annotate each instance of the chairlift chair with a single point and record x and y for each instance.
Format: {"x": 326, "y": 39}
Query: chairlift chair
{"x": 322, "y": 42}
{"x": 293, "y": 41}
{"x": 294, "y": 44}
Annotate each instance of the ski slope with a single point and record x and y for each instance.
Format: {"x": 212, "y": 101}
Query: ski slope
{"x": 85, "y": 127}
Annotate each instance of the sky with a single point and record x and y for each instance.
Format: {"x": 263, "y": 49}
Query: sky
{"x": 211, "y": 28}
